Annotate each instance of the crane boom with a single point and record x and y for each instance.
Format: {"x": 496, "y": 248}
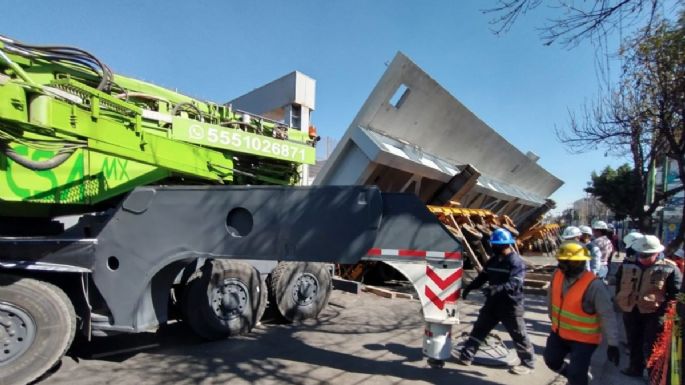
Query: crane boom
{"x": 65, "y": 118}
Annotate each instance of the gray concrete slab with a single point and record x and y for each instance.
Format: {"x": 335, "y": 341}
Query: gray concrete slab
{"x": 359, "y": 339}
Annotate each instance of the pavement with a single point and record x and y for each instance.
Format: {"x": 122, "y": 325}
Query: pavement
{"x": 358, "y": 339}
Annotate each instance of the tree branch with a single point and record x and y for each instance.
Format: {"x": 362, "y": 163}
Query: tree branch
{"x": 596, "y": 22}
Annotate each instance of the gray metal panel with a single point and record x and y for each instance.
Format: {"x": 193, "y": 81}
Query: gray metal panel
{"x": 294, "y": 87}
{"x": 54, "y": 250}
{"x": 434, "y": 121}
{"x": 157, "y": 231}
{"x": 407, "y": 224}
{"x": 324, "y": 224}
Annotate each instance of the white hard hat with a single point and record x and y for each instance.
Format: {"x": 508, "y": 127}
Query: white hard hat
{"x": 600, "y": 225}
{"x": 680, "y": 253}
{"x": 586, "y": 230}
{"x": 630, "y": 238}
{"x": 571, "y": 232}
{"x": 648, "y": 244}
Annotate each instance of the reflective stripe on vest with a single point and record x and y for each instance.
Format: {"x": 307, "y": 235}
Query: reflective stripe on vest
{"x": 569, "y": 320}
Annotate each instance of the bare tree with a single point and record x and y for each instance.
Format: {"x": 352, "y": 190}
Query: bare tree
{"x": 578, "y": 19}
{"x": 643, "y": 117}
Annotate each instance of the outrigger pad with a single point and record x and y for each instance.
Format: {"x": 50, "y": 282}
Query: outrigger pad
{"x": 492, "y": 353}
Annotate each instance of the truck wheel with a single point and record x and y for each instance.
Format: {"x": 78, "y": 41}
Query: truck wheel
{"x": 37, "y": 325}
{"x": 223, "y": 299}
{"x": 300, "y": 290}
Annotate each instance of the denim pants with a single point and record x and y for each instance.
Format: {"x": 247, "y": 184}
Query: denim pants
{"x": 579, "y": 353}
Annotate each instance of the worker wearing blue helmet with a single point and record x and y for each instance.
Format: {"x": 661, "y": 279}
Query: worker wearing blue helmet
{"x": 504, "y": 273}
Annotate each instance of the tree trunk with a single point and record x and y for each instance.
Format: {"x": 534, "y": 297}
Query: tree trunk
{"x": 645, "y": 223}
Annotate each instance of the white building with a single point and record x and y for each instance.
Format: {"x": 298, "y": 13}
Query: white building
{"x": 590, "y": 209}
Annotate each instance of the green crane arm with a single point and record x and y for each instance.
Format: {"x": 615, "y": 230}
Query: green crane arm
{"x": 61, "y": 103}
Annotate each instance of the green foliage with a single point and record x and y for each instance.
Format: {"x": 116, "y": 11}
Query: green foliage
{"x": 619, "y": 190}
{"x": 643, "y": 117}
{"x": 654, "y": 74}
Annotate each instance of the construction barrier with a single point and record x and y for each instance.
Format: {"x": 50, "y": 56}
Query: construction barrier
{"x": 666, "y": 358}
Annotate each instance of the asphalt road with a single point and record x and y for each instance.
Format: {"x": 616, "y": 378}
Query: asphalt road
{"x": 359, "y": 339}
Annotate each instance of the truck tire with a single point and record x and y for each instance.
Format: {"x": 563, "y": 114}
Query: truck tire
{"x": 224, "y": 298}
{"x": 300, "y": 290}
{"x": 37, "y": 326}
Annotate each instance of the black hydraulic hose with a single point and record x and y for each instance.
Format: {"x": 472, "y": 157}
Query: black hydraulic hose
{"x": 80, "y": 56}
{"x": 35, "y": 165}
{"x": 73, "y": 60}
{"x": 177, "y": 108}
{"x": 77, "y": 53}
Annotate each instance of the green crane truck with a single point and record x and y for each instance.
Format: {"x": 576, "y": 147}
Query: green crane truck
{"x": 184, "y": 208}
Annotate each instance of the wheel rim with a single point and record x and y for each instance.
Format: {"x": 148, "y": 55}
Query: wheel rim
{"x": 305, "y": 289}
{"x": 230, "y": 299}
{"x": 17, "y": 332}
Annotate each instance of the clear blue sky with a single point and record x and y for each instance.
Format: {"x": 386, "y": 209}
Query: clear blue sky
{"x": 220, "y": 49}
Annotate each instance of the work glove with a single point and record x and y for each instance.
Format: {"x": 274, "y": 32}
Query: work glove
{"x": 465, "y": 292}
{"x": 613, "y": 355}
{"x": 487, "y": 291}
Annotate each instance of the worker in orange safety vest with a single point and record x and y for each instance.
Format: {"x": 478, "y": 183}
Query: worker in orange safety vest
{"x": 581, "y": 311}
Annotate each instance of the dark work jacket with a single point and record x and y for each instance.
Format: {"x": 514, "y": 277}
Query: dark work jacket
{"x": 504, "y": 275}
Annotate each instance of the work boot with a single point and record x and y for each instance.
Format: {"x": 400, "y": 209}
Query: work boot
{"x": 520, "y": 369}
{"x": 463, "y": 361}
{"x": 632, "y": 372}
{"x": 465, "y": 357}
{"x": 559, "y": 380}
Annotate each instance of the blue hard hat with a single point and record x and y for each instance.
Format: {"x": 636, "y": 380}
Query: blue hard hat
{"x": 501, "y": 237}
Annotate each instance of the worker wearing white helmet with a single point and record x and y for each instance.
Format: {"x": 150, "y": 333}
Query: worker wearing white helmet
{"x": 628, "y": 240}
{"x": 643, "y": 290}
{"x": 571, "y": 233}
{"x": 601, "y": 232}
{"x": 586, "y": 230}
{"x": 595, "y": 262}
{"x": 631, "y": 237}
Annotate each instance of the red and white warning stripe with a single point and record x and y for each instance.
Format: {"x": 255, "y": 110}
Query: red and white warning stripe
{"x": 439, "y": 302}
{"x": 447, "y": 287}
{"x": 377, "y": 252}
